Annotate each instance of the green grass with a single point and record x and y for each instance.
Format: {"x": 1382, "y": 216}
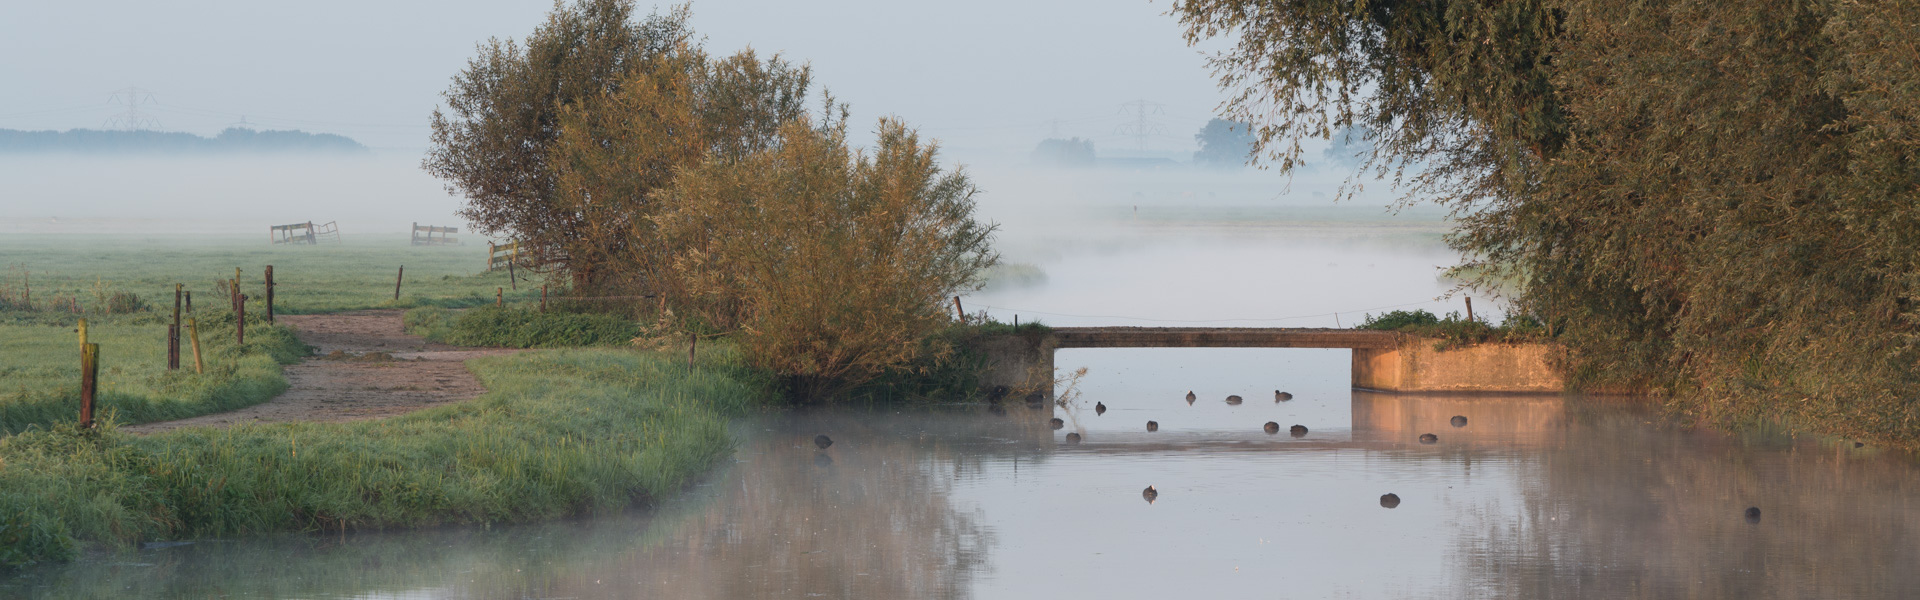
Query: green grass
{"x": 41, "y": 368}
{"x": 358, "y": 273}
{"x": 519, "y": 327}
{"x": 559, "y": 433}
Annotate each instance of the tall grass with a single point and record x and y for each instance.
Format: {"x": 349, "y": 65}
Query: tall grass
{"x": 558, "y": 433}
{"x": 40, "y": 369}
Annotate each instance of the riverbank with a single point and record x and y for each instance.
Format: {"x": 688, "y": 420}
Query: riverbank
{"x": 559, "y": 433}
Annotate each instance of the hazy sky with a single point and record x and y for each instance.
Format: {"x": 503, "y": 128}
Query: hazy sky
{"x": 985, "y": 76}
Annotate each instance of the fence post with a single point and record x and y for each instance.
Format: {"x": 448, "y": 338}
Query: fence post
{"x": 397, "y": 278}
{"x": 693, "y": 341}
{"x": 490, "y": 251}
{"x": 1469, "y": 310}
{"x": 189, "y": 302}
{"x": 89, "y": 381}
{"x": 499, "y": 297}
{"x": 959, "y": 311}
{"x": 193, "y": 333}
{"x": 543, "y": 297}
{"x": 512, "y": 280}
{"x": 269, "y": 293}
{"x": 83, "y": 335}
{"x": 173, "y": 332}
{"x": 240, "y": 322}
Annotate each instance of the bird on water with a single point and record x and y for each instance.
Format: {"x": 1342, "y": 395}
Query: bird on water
{"x": 1073, "y": 438}
{"x": 1298, "y": 431}
{"x": 1428, "y": 438}
{"x": 822, "y": 441}
{"x": 1150, "y": 494}
{"x": 1099, "y": 408}
{"x": 1389, "y": 501}
{"x": 1272, "y": 427}
{"x": 1279, "y": 396}
{"x": 1153, "y": 426}
{"x": 1057, "y": 423}
{"x": 1459, "y": 421}
{"x": 1233, "y": 400}
{"x": 1191, "y": 397}
{"x": 1753, "y": 514}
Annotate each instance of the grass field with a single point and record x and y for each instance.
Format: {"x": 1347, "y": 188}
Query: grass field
{"x": 40, "y": 369}
{"x": 357, "y": 273}
{"x": 559, "y": 433}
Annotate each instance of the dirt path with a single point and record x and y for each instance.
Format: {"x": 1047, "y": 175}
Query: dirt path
{"x": 367, "y": 367}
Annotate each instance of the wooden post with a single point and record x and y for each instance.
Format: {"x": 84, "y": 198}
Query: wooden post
{"x": 83, "y": 335}
{"x": 397, "y": 278}
{"x": 193, "y": 334}
{"x": 173, "y": 331}
{"x": 269, "y": 293}
{"x": 240, "y": 322}
{"x": 233, "y": 295}
{"x": 499, "y": 297}
{"x": 1469, "y": 309}
{"x": 490, "y": 250}
{"x": 543, "y": 297}
{"x": 693, "y": 341}
{"x": 189, "y": 302}
{"x": 512, "y": 280}
{"x": 959, "y": 311}
{"x": 89, "y": 382}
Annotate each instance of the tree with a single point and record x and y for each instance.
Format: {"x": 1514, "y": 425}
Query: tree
{"x": 1712, "y": 199}
{"x": 1224, "y": 144}
{"x": 835, "y": 264}
{"x": 1074, "y": 152}
{"x": 492, "y": 143}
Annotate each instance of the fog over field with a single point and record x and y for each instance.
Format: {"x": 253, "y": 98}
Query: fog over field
{"x": 989, "y": 79}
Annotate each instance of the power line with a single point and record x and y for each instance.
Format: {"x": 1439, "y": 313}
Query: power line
{"x": 1141, "y": 128}
{"x": 133, "y": 119}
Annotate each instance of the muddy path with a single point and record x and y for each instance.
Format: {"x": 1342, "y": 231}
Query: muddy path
{"x": 365, "y": 367}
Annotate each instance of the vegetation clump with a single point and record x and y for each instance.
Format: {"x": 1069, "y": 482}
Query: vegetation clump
{"x": 1715, "y": 200}
{"x": 519, "y": 327}
{"x": 1454, "y": 331}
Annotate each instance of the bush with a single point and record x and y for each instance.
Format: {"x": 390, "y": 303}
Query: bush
{"x": 834, "y": 265}
{"x": 1454, "y": 331}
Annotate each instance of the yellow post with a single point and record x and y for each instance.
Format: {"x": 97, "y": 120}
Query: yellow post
{"x": 193, "y": 333}
{"x": 83, "y": 333}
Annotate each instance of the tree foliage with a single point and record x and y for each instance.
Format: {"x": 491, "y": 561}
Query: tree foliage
{"x": 1713, "y": 199}
{"x": 493, "y": 141}
{"x": 1224, "y": 144}
{"x": 833, "y": 264}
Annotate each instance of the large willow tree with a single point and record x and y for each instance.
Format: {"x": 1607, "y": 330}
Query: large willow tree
{"x": 1713, "y": 199}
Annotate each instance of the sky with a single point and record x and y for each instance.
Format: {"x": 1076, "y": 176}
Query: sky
{"x": 985, "y": 77}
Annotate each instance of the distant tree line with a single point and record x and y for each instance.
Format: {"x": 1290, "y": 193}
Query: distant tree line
{"x": 234, "y": 140}
{"x": 631, "y": 162}
{"x": 1715, "y": 200}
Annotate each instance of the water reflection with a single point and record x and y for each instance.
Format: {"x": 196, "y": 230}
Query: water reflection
{"x": 1533, "y": 497}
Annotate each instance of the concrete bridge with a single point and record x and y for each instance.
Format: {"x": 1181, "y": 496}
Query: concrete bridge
{"x": 1382, "y": 360}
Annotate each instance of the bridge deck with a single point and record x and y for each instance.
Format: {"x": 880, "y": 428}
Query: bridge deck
{"x": 1220, "y": 337}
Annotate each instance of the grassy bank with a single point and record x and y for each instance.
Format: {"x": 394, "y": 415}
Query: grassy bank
{"x": 1453, "y": 331}
{"x": 519, "y": 327}
{"x": 559, "y": 433}
{"x": 41, "y": 369}
{"x": 357, "y": 273}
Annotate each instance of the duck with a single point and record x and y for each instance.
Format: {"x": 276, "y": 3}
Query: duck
{"x": 1272, "y": 427}
{"x": 1073, "y": 438}
{"x": 1233, "y": 400}
{"x": 1298, "y": 431}
{"x": 1279, "y": 396}
{"x": 822, "y": 441}
{"x": 997, "y": 393}
{"x": 1389, "y": 501}
{"x": 1191, "y": 397}
{"x": 1036, "y": 400}
{"x": 1153, "y": 426}
{"x": 1099, "y": 408}
{"x": 1150, "y": 494}
{"x": 1753, "y": 514}
{"x": 1428, "y": 438}
{"x": 1056, "y": 423}
{"x": 1459, "y": 421}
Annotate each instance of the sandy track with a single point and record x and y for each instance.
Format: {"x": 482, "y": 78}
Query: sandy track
{"x": 419, "y": 375}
